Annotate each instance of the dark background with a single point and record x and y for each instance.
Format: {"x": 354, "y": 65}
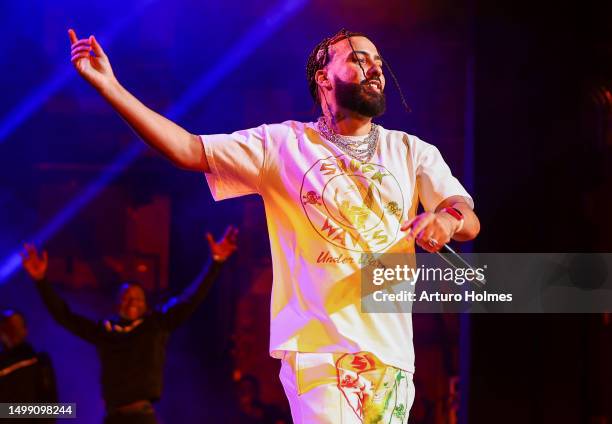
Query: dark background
{"x": 543, "y": 164}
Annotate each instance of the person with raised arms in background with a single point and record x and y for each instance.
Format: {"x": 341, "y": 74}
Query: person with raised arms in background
{"x": 131, "y": 345}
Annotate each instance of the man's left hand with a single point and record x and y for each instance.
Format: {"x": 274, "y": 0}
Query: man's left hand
{"x": 431, "y": 230}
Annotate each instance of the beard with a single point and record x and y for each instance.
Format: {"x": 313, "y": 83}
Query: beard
{"x": 359, "y": 98}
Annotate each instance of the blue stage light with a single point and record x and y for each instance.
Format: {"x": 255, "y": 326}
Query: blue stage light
{"x": 40, "y": 95}
{"x": 260, "y": 32}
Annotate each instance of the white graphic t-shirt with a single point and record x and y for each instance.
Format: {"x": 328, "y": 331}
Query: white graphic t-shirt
{"x": 324, "y": 210}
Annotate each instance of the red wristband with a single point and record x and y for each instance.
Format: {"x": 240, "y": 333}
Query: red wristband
{"x": 455, "y": 213}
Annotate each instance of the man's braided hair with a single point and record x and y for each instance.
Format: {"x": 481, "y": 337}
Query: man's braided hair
{"x": 319, "y": 58}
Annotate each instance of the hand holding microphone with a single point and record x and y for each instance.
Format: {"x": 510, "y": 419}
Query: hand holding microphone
{"x": 432, "y": 231}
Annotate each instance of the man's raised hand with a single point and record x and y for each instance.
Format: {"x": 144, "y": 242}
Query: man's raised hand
{"x": 180, "y": 146}
{"x": 224, "y": 248}
{"x": 33, "y": 263}
{"x": 94, "y": 68}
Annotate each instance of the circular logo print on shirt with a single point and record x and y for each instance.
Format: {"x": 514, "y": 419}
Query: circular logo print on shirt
{"x": 353, "y": 205}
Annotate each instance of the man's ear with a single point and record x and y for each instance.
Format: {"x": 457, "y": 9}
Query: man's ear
{"x": 322, "y": 79}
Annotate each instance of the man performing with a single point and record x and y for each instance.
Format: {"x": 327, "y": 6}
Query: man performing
{"x": 132, "y": 346}
{"x": 333, "y": 190}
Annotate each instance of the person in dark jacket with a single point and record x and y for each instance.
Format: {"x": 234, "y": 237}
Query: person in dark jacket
{"x": 26, "y": 376}
{"x": 132, "y": 345}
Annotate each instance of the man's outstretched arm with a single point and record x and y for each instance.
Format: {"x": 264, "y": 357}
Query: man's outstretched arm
{"x": 36, "y": 266}
{"x": 177, "y": 310}
{"x": 178, "y": 145}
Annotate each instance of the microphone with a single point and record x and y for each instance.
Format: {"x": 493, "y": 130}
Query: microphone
{"x": 455, "y": 260}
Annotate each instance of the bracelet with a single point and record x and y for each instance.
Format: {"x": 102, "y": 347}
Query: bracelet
{"x": 455, "y": 213}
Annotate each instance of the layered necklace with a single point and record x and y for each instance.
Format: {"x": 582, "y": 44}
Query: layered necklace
{"x": 362, "y": 150}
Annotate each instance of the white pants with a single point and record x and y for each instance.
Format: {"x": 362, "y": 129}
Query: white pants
{"x": 340, "y": 388}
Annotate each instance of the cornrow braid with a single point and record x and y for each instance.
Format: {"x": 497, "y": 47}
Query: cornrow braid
{"x": 319, "y": 58}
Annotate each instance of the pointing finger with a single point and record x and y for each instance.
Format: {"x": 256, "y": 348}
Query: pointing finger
{"x": 72, "y": 35}
{"x": 420, "y": 226}
{"x": 414, "y": 226}
{"x": 408, "y": 223}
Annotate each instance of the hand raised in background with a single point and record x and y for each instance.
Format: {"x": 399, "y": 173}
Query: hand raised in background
{"x": 34, "y": 263}
{"x": 224, "y": 248}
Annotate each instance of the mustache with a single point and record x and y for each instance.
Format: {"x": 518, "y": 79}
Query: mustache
{"x": 365, "y": 81}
